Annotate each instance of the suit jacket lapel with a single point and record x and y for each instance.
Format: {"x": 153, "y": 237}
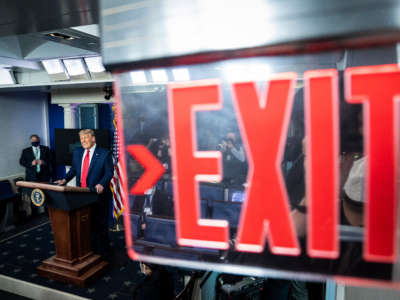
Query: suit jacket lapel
{"x": 79, "y": 167}
{"x": 93, "y": 161}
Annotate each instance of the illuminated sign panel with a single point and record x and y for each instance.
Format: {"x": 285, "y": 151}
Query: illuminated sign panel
{"x": 319, "y": 193}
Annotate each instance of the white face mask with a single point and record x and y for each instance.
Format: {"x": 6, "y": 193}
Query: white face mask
{"x": 354, "y": 186}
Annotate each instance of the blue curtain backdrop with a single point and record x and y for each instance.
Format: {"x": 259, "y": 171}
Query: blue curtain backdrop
{"x": 56, "y": 120}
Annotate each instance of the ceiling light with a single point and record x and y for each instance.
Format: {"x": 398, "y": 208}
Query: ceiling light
{"x": 138, "y": 77}
{"x": 61, "y": 36}
{"x": 74, "y": 67}
{"x": 6, "y": 77}
{"x": 247, "y": 72}
{"x": 95, "y": 64}
{"x": 159, "y": 75}
{"x": 181, "y": 74}
{"x": 53, "y": 66}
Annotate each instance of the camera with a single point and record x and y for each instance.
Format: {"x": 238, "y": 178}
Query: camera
{"x": 108, "y": 92}
{"x": 222, "y": 145}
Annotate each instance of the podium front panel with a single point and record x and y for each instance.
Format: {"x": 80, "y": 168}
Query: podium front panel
{"x": 70, "y": 200}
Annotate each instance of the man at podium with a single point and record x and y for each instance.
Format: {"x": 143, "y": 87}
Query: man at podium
{"x": 93, "y": 168}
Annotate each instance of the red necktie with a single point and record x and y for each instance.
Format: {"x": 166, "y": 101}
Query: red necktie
{"x": 85, "y": 169}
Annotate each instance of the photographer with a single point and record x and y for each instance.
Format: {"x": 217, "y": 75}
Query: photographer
{"x": 234, "y": 159}
{"x": 160, "y": 147}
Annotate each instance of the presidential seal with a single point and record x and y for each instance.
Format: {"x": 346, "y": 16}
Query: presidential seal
{"x": 37, "y": 197}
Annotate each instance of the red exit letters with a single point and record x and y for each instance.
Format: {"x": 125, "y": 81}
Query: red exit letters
{"x": 190, "y": 166}
{"x": 379, "y": 90}
{"x": 266, "y": 212}
{"x": 263, "y": 123}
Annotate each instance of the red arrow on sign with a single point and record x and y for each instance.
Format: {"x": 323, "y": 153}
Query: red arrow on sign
{"x": 153, "y": 168}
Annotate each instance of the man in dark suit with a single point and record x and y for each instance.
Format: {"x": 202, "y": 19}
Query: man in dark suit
{"x": 37, "y": 161}
{"x": 93, "y": 168}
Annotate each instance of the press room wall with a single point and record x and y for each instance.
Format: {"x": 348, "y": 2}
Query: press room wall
{"x": 21, "y": 114}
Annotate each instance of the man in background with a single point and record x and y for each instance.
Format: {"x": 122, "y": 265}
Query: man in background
{"x": 93, "y": 168}
{"x": 37, "y": 161}
{"x": 233, "y": 160}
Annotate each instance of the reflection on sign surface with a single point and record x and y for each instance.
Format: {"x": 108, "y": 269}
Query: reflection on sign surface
{"x": 291, "y": 174}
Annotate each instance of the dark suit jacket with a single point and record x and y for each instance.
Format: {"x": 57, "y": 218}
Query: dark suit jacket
{"x": 26, "y": 159}
{"x": 101, "y": 168}
{"x": 101, "y": 171}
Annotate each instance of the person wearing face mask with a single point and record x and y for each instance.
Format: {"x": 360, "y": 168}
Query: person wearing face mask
{"x": 38, "y": 168}
{"x": 37, "y": 161}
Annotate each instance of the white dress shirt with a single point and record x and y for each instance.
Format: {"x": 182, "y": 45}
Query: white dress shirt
{"x": 34, "y": 149}
{"x": 90, "y": 156}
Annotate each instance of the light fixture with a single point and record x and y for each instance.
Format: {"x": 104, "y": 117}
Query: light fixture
{"x": 159, "y": 75}
{"x": 138, "y": 77}
{"x": 6, "y": 77}
{"x": 181, "y": 74}
{"x": 53, "y": 66}
{"x": 61, "y": 36}
{"x": 247, "y": 72}
{"x": 74, "y": 66}
{"x": 95, "y": 64}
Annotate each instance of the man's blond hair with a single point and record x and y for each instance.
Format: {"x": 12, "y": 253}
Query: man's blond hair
{"x": 86, "y": 131}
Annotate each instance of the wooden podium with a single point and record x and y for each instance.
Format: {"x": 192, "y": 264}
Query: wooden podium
{"x": 69, "y": 211}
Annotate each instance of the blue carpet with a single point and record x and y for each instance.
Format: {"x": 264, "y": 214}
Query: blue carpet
{"x": 22, "y": 254}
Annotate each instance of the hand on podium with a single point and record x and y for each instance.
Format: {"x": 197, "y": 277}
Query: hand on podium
{"x": 99, "y": 188}
{"x": 60, "y": 182}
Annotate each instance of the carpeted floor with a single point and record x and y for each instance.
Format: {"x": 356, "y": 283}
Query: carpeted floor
{"x": 9, "y": 296}
{"x": 21, "y": 253}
